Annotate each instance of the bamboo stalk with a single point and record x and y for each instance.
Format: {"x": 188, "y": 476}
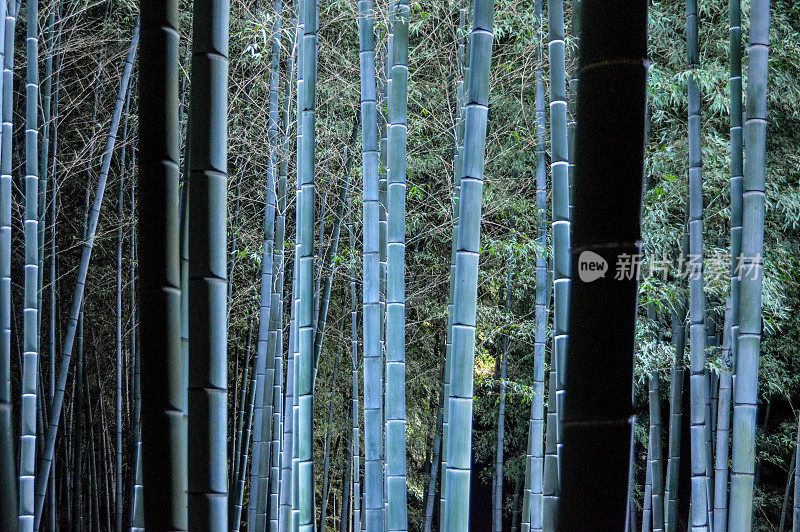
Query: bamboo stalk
{"x": 559, "y": 169}
{"x": 745, "y": 394}
{"x": 30, "y": 347}
{"x": 8, "y": 474}
{"x": 373, "y": 375}
{"x": 598, "y": 413}
{"x": 459, "y": 445}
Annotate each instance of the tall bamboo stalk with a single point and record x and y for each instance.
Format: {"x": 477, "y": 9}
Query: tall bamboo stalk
{"x": 458, "y": 158}
{"x": 723, "y": 428}
{"x": 246, "y": 406}
{"x": 395, "y": 399}
{"x": 373, "y": 376}
{"x": 497, "y": 507}
{"x": 697, "y": 302}
{"x": 77, "y": 300}
{"x": 304, "y": 321}
{"x": 431, "y": 496}
{"x": 355, "y": 441}
{"x": 532, "y": 498}
{"x": 796, "y": 494}
{"x": 279, "y": 414}
{"x": 647, "y": 502}
{"x": 162, "y": 418}
{"x": 459, "y": 445}
{"x": 235, "y": 503}
{"x": 8, "y": 474}
{"x": 287, "y": 480}
{"x": 52, "y": 303}
{"x": 119, "y": 361}
{"x": 30, "y": 346}
{"x": 745, "y": 394}
{"x": 606, "y": 226}
{"x": 208, "y": 336}
{"x": 559, "y": 169}
{"x": 654, "y": 452}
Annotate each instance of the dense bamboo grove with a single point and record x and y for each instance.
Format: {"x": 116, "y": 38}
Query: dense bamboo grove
{"x": 389, "y": 265}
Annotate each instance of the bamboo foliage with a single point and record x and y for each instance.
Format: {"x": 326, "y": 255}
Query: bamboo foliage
{"x": 745, "y": 394}
{"x": 608, "y": 183}
{"x": 459, "y": 451}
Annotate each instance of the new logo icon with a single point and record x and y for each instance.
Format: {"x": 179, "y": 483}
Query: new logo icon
{"x": 591, "y": 266}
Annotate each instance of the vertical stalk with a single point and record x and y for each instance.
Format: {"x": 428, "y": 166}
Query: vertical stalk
{"x": 30, "y": 347}
{"x": 598, "y": 413}
{"x": 163, "y": 423}
{"x": 235, "y": 503}
{"x": 697, "y": 302}
{"x": 654, "y": 452}
{"x": 723, "y": 426}
{"x": 373, "y": 378}
{"x": 497, "y": 513}
{"x": 208, "y": 333}
{"x": 745, "y": 394}
{"x": 559, "y": 169}
{"x": 532, "y": 501}
{"x": 327, "y": 449}
{"x": 459, "y": 445}
{"x": 395, "y": 400}
{"x": 356, "y": 443}
{"x": 304, "y": 367}
{"x": 8, "y": 475}
{"x": 118, "y": 372}
{"x": 458, "y": 159}
{"x": 796, "y": 494}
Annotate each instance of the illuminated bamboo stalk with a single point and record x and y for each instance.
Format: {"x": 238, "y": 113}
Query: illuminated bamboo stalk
{"x": 559, "y": 169}
{"x": 697, "y": 302}
{"x": 395, "y": 399}
{"x": 458, "y": 153}
{"x": 8, "y": 474}
{"x": 532, "y": 495}
{"x": 745, "y": 393}
{"x": 459, "y": 451}
{"x": 30, "y": 347}
{"x": 373, "y": 375}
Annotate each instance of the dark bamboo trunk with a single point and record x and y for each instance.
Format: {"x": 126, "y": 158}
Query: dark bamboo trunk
{"x": 606, "y": 227}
